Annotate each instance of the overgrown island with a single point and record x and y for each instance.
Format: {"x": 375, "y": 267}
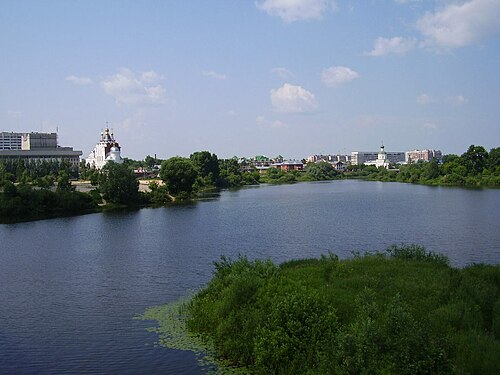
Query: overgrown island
{"x": 38, "y": 190}
{"x": 402, "y": 311}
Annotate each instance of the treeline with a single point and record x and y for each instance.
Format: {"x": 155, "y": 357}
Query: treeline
{"x": 26, "y": 202}
{"x": 33, "y": 190}
{"x": 404, "y": 311}
{"x": 474, "y": 168}
{"x": 35, "y": 171}
{"x": 184, "y": 177}
{"x": 321, "y": 171}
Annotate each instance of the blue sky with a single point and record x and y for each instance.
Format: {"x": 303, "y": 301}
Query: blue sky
{"x": 237, "y": 77}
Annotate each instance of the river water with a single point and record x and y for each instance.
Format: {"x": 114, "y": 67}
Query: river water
{"x": 70, "y": 287}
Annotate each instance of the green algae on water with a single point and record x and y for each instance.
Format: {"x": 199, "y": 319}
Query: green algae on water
{"x": 173, "y": 334}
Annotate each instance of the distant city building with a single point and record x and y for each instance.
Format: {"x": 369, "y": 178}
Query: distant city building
{"x": 36, "y": 147}
{"x": 107, "y": 149}
{"x": 361, "y": 157}
{"x": 289, "y": 165}
{"x": 340, "y": 166}
{"x": 329, "y": 158}
{"x": 422, "y": 155}
{"x": 382, "y": 159}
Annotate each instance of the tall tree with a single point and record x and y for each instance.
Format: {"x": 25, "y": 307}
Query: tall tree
{"x": 179, "y": 175}
{"x": 475, "y": 159}
{"x": 494, "y": 159}
{"x": 207, "y": 166}
{"x": 118, "y": 184}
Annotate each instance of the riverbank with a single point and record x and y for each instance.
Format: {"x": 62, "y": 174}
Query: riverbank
{"x": 402, "y": 311}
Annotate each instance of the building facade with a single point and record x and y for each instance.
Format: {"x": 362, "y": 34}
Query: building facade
{"x": 422, "y": 155}
{"x": 36, "y": 147}
{"x": 329, "y": 158}
{"x": 362, "y": 157}
{"x": 106, "y": 150}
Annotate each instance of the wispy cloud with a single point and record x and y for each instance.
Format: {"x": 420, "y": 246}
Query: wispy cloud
{"x": 273, "y": 124}
{"x": 337, "y": 75}
{"x": 454, "y": 100}
{"x": 296, "y": 10}
{"x": 430, "y": 126}
{"x": 425, "y": 99}
{"x": 460, "y": 24}
{"x": 458, "y": 100}
{"x": 132, "y": 89}
{"x": 81, "y": 81}
{"x": 213, "y": 74}
{"x": 293, "y": 99}
{"x": 283, "y": 73}
{"x": 396, "y": 46}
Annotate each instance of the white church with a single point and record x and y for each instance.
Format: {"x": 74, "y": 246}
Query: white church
{"x": 107, "y": 149}
{"x": 382, "y": 160}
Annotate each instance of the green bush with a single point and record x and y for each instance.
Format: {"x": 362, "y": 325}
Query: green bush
{"x": 403, "y": 311}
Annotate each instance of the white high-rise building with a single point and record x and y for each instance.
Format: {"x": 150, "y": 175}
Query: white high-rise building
{"x": 36, "y": 147}
{"x": 107, "y": 149}
{"x": 369, "y": 158}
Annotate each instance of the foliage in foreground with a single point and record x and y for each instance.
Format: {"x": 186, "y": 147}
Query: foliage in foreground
{"x": 23, "y": 202}
{"x": 402, "y": 312}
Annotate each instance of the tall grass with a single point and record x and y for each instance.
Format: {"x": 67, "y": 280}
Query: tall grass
{"x": 404, "y": 311}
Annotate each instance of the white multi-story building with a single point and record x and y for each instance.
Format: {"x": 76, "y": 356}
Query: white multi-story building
{"x": 361, "y": 157}
{"x": 328, "y": 158}
{"x": 422, "y": 155}
{"x": 381, "y": 161}
{"x": 107, "y": 149}
{"x": 36, "y": 147}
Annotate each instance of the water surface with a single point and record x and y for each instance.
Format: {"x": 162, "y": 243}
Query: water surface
{"x": 70, "y": 287}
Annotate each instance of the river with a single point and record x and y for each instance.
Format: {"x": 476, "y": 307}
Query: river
{"x": 70, "y": 287}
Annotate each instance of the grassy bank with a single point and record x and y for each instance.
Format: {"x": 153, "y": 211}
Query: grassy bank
{"x": 400, "y": 312}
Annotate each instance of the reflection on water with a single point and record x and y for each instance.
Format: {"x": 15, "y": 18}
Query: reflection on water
{"x": 71, "y": 286}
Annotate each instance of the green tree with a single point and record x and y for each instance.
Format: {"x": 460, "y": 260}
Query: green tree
{"x": 475, "y": 159}
{"x": 118, "y": 184}
{"x": 179, "y": 175}
{"x": 229, "y": 173}
{"x": 149, "y": 161}
{"x": 321, "y": 171}
{"x": 207, "y": 166}
{"x": 494, "y": 160}
{"x": 431, "y": 171}
{"x": 158, "y": 195}
{"x": 63, "y": 182}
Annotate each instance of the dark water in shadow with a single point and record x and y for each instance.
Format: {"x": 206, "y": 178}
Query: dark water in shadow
{"x": 70, "y": 287}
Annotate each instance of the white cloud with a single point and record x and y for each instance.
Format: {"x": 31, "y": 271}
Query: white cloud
{"x": 337, "y": 75}
{"x": 82, "y": 81}
{"x": 127, "y": 88}
{"x": 396, "y": 45}
{"x": 212, "y": 74}
{"x": 283, "y": 73}
{"x": 430, "y": 126}
{"x": 458, "y": 100}
{"x": 273, "y": 124}
{"x": 293, "y": 99}
{"x": 454, "y": 100}
{"x": 151, "y": 77}
{"x": 460, "y": 24}
{"x": 296, "y": 10}
{"x": 424, "y": 99}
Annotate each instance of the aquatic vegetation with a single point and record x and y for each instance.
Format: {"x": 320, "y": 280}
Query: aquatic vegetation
{"x": 402, "y": 311}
